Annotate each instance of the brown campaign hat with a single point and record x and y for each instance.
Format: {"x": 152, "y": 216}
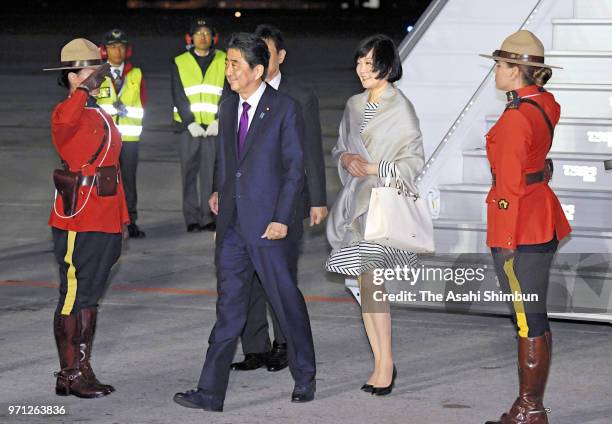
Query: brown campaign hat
{"x": 523, "y": 48}
{"x": 77, "y": 54}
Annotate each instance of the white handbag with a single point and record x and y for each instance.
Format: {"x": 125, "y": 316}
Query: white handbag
{"x": 399, "y": 219}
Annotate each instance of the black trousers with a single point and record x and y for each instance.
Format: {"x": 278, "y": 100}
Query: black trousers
{"x": 527, "y": 273}
{"x": 129, "y": 165}
{"x": 85, "y": 260}
{"x": 255, "y": 337}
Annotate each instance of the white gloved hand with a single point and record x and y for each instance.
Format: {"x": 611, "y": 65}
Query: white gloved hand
{"x": 213, "y": 128}
{"x": 196, "y": 130}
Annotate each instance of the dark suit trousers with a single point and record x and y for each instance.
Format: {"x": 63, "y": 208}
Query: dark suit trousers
{"x": 236, "y": 263}
{"x": 255, "y": 337}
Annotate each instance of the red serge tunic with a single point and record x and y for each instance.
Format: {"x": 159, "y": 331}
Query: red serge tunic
{"x": 77, "y": 132}
{"x": 517, "y": 145}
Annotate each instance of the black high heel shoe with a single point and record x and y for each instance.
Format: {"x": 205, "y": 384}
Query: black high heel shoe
{"x": 367, "y": 388}
{"x": 384, "y": 391}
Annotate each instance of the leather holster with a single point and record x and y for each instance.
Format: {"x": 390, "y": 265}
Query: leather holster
{"x": 67, "y": 185}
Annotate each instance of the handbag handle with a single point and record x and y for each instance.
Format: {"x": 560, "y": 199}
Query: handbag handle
{"x": 400, "y": 185}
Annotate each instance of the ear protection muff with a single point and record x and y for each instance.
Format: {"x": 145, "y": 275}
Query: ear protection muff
{"x": 104, "y": 53}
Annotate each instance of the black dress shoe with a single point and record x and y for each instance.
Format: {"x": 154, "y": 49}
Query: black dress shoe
{"x": 135, "y": 232}
{"x": 194, "y": 228}
{"x": 278, "y": 357}
{"x": 367, "y": 388}
{"x": 305, "y": 393}
{"x": 197, "y": 399}
{"x": 209, "y": 227}
{"x": 384, "y": 391}
{"x": 252, "y": 361}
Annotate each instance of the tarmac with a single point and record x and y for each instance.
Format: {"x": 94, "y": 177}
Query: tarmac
{"x": 156, "y": 317}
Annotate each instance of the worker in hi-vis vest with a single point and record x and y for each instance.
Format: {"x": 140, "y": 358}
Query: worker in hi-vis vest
{"x": 123, "y": 95}
{"x": 198, "y": 83}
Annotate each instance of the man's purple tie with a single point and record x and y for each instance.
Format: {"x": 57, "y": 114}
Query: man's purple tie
{"x": 243, "y": 127}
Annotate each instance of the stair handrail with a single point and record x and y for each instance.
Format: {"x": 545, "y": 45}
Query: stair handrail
{"x": 470, "y": 102}
{"x": 420, "y": 28}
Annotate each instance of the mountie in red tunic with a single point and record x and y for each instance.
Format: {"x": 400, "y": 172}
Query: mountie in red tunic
{"x": 517, "y": 212}
{"x": 78, "y": 131}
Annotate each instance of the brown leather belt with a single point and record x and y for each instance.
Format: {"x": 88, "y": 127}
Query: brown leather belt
{"x": 86, "y": 180}
{"x": 535, "y": 177}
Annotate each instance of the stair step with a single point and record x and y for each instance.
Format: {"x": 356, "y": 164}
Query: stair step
{"x": 582, "y": 34}
{"x": 580, "y": 66}
{"x": 588, "y": 135}
{"x": 584, "y": 9}
{"x": 582, "y": 207}
{"x": 330, "y": 119}
{"x": 469, "y": 236}
{"x": 572, "y": 170}
{"x": 583, "y": 100}
{"x": 601, "y": 194}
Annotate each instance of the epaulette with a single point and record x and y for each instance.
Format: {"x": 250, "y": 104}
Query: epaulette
{"x": 514, "y": 101}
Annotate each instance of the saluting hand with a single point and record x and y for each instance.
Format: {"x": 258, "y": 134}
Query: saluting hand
{"x": 95, "y": 79}
{"x": 275, "y": 231}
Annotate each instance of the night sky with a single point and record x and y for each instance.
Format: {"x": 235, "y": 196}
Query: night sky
{"x": 70, "y": 17}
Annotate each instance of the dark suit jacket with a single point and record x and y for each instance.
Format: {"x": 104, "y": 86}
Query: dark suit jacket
{"x": 265, "y": 184}
{"x": 314, "y": 193}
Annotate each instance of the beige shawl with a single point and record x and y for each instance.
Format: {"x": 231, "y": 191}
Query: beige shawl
{"x": 392, "y": 135}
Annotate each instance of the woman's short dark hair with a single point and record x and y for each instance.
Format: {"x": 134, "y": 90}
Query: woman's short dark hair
{"x": 269, "y": 32}
{"x": 386, "y": 60}
{"x": 253, "y": 49}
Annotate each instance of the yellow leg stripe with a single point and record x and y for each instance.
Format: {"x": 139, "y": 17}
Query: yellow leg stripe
{"x": 72, "y": 280}
{"x": 519, "y": 308}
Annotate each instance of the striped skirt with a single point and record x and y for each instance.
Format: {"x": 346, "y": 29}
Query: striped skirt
{"x": 363, "y": 256}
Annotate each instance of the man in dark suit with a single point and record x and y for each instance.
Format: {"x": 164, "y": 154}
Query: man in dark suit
{"x": 259, "y": 178}
{"x": 255, "y": 339}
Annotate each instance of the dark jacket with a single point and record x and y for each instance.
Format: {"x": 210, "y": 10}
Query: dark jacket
{"x": 314, "y": 193}
{"x": 265, "y": 184}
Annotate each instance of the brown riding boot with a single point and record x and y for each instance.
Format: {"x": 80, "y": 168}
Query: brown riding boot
{"x": 87, "y": 324}
{"x": 533, "y": 363}
{"x": 70, "y": 380}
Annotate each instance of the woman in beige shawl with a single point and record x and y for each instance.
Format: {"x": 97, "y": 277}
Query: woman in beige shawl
{"x": 379, "y": 137}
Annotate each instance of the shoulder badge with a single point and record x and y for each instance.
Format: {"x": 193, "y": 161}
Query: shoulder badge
{"x": 514, "y": 101}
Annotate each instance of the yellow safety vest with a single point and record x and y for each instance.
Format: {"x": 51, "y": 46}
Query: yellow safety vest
{"x": 130, "y": 125}
{"x": 203, "y": 92}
